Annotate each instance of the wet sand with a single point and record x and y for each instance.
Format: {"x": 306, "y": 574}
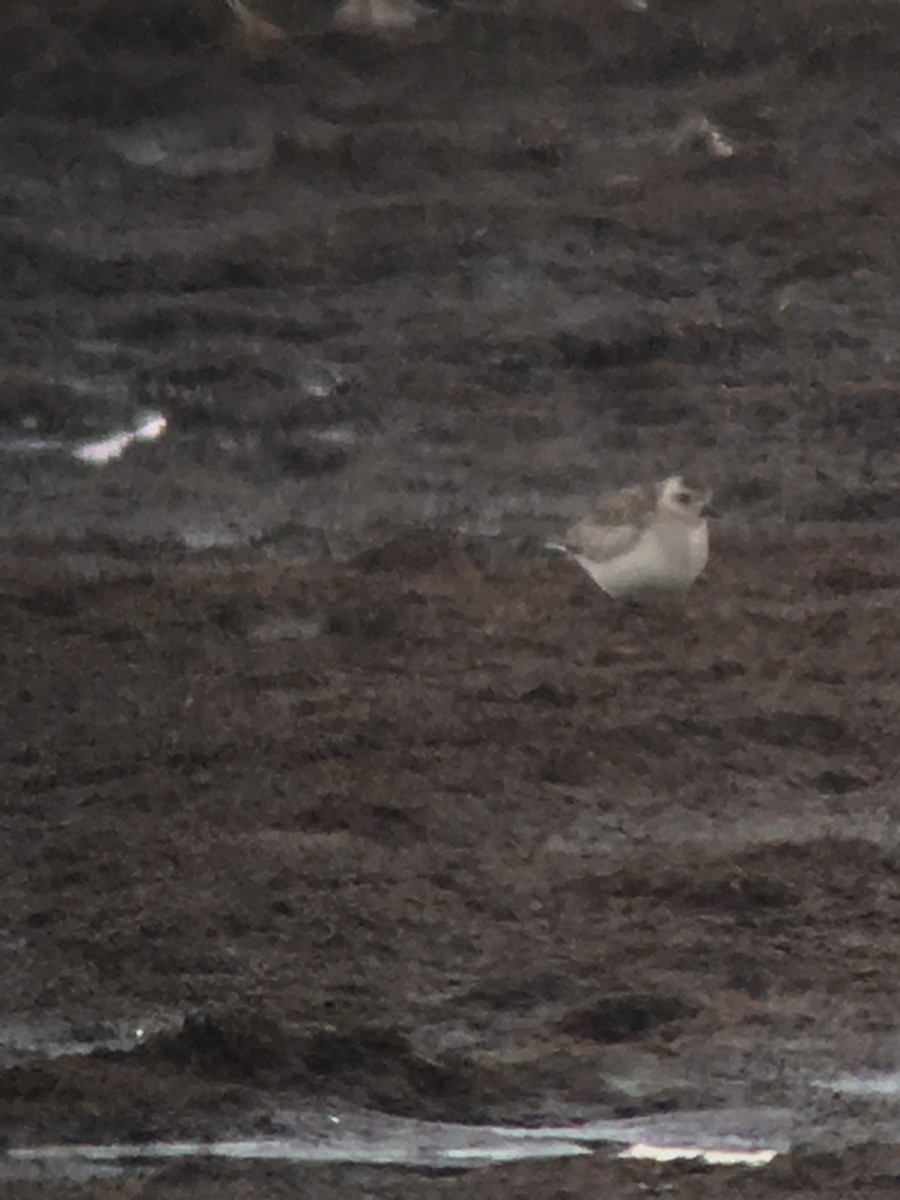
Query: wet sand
{"x": 314, "y": 767}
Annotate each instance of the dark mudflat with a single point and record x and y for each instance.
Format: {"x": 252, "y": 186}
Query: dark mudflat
{"x": 307, "y": 751}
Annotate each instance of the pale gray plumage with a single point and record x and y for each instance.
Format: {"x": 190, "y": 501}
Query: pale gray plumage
{"x": 645, "y": 539}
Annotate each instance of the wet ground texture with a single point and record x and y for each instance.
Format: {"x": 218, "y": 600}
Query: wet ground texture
{"x": 323, "y": 789}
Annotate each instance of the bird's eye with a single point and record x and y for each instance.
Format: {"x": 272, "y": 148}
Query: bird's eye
{"x": 684, "y": 497}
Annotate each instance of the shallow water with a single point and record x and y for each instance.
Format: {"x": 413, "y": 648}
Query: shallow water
{"x": 24, "y": 1038}
{"x": 376, "y": 1139}
{"x": 864, "y": 1083}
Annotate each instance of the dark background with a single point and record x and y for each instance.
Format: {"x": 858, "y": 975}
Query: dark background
{"x": 304, "y": 740}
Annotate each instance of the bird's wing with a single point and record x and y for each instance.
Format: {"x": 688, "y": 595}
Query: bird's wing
{"x": 628, "y": 506}
{"x": 615, "y": 526}
{"x": 600, "y": 543}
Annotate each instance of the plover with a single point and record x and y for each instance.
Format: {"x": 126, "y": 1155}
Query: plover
{"x": 642, "y": 540}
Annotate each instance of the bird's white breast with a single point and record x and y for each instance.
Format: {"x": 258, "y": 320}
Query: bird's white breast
{"x": 667, "y": 557}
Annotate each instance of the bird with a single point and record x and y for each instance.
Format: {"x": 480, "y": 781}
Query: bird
{"x": 642, "y": 540}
